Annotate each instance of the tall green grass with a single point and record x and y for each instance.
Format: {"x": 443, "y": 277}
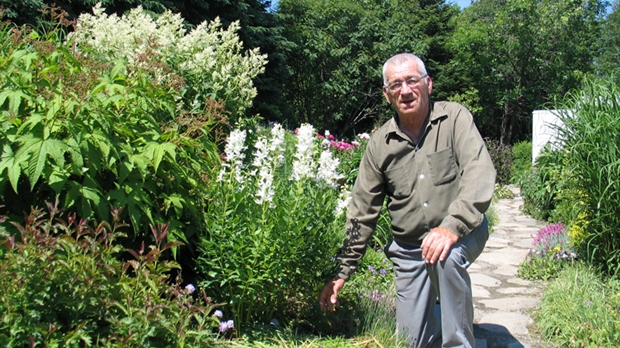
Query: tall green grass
{"x": 591, "y": 139}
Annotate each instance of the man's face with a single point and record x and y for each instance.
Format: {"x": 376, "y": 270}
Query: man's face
{"x": 409, "y": 102}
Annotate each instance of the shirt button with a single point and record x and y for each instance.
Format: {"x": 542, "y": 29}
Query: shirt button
{"x": 425, "y": 204}
{"x": 421, "y": 176}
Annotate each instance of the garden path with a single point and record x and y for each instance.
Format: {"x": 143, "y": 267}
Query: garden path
{"x": 502, "y": 301}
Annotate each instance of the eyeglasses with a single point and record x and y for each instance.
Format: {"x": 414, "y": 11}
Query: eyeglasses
{"x": 411, "y": 83}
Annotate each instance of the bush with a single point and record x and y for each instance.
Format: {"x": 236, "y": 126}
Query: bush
{"x": 541, "y": 184}
{"x": 521, "y": 160}
{"x": 275, "y": 224}
{"x": 501, "y": 154}
{"x": 63, "y": 284}
{"x": 126, "y": 125}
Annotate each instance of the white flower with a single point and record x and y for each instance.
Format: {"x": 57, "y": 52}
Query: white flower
{"x": 263, "y": 163}
{"x": 277, "y": 146}
{"x": 328, "y": 169}
{"x": 303, "y": 166}
{"x": 235, "y": 146}
{"x": 343, "y": 201}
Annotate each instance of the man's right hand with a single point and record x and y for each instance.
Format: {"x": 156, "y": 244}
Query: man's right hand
{"x": 328, "y": 300}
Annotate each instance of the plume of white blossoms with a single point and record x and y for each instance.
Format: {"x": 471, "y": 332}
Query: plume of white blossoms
{"x": 328, "y": 169}
{"x": 303, "y": 166}
{"x": 263, "y": 165}
{"x": 277, "y": 144}
{"x": 235, "y": 145}
{"x": 343, "y": 201}
{"x": 269, "y": 154}
{"x": 210, "y": 58}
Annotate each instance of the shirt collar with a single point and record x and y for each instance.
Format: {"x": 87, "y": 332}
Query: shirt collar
{"x": 435, "y": 114}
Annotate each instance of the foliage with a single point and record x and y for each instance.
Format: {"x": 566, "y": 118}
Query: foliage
{"x": 91, "y": 133}
{"x": 521, "y": 160}
{"x": 271, "y": 236}
{"x": 551, "y": 248}
{"x": 519, "y": 54}
{"x": 501, "y": 155}
{"x": 339, "y": 49}
{"x": 541, "y": 184}
{"x": 580, "y": 309}
{"x": 608, "y": 62}
{"x": 591, "y": 139}
{"x": 502, "y": 192}
{"x": 63, "y": 284}
{"x": 208, "y": 58}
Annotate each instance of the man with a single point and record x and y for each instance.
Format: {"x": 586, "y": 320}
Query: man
{"x": 432, "y": 164}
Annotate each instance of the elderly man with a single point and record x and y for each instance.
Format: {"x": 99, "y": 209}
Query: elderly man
{"x": 432, "y": 164}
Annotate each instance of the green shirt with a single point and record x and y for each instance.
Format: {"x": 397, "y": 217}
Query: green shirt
{"x": 446, "y": 180}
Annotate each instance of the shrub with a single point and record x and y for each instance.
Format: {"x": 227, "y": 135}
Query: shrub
{"x": 273, "y": 228}
{"x": 208, "y": 58}
{"x": 101, "y": 135}
{"x": 63, "y": 284}
{"x": 501, "y": 154}
{"x": 521, "y": 160}
{"x": 541, "y": 184}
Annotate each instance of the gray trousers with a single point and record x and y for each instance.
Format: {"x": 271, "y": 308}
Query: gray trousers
{"x": 421, "y": 286}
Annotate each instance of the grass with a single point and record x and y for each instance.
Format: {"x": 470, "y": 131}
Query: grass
{"x": 580, "y": 308}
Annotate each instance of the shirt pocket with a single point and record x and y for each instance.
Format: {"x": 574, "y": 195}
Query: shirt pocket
{"x": 399, "y": 181}
{"x": 442, "y": 166}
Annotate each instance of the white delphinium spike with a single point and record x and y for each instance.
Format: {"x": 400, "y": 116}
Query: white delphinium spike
{"x": 261, "y": 155}
{"x": 277, "y": 145}
{"x": 265, "y": 191}
{"x": 262, "y": 164}
{"x": 234, "y": 155}
{"x": 303, "y": 166}
{"x": 328, "y": 169}
{"x": 343, "y": 201}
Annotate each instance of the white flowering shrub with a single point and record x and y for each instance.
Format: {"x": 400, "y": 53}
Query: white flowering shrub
{"x": 208, "y": 58}
{"x": 275, "y": 222}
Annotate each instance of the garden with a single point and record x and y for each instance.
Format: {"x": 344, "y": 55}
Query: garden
{"x": 140, "y": 207}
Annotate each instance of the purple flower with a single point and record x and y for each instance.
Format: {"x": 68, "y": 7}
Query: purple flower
{"x": 383, "y": 272}
{"x": 588, "y": 303}
{"x": 231, "y": 324}
{"x": 218, "y": 313}
{"x": 372, "y": 269}
{"x": 190, "y": 288}
{"x": 224, "y": 327}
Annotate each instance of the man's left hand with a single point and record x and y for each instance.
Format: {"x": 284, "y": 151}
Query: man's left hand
{"x": 436, "y": 245}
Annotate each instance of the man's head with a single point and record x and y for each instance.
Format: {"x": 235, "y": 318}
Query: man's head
{"x": 407, "y": 86}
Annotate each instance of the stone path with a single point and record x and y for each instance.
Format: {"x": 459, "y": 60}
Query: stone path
{"x": 503, "y": 301}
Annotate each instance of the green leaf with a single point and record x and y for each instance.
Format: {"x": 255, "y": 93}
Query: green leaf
{"x": 155, "y": 152}
{"x": 40, "y": 151}
{"x": 15, "y": 99}
{"x": 8, "y": 162}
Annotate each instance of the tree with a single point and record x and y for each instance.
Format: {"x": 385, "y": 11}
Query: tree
{"x": 520, "y": 54}
{"x": 339, "y": 49}
{"x": 608, "y": 61}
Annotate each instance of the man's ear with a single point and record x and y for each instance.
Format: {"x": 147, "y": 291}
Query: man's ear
{"x": 429, "y": 82}
{"x": 386, "y": 95}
